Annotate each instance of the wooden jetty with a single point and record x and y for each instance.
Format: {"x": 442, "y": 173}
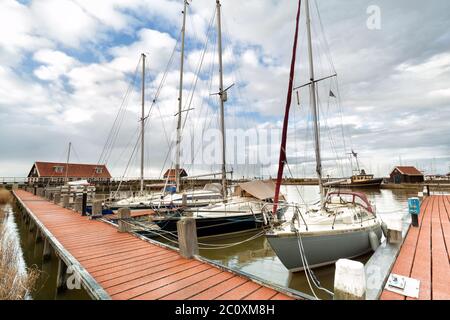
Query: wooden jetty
{"x": 425, "y": 253}
{"x": 122, "y": 266}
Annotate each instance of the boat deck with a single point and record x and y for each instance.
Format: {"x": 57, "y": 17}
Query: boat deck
{"x": 126, "y": 267}
{"x": 133, "y": 214}
{"x": 425, "y": 253}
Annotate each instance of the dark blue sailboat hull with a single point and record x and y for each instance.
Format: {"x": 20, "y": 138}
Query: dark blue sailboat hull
{"x": 216, "y": 226}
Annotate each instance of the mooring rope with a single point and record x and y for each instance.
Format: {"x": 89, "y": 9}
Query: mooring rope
{"x": 206, "y": 245}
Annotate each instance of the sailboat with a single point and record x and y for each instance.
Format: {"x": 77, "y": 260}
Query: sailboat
{"x": 343, "y": 224}
{"x": 246, "y": 209}
{"x": 141, "y": 199}
{"x": 172, "y": 197}
{"x": 166, "y": 198}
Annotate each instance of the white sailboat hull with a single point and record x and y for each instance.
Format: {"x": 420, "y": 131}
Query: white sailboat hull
{"x": 322, "y": 248}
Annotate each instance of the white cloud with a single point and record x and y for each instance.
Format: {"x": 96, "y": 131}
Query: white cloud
{"x": 63, "y": 21}
{"x": 55, "y": 64}
{"x": 81, "y": 50}
{"x": 157, "y": 45}
{"x": 16, "y": 33}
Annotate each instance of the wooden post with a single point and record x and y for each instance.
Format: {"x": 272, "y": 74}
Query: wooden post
{"x": 57, "y": 198}
{"x": 38, "y": 237}
{"x": 187, "y": 237}
{"x": 184, "y": 200}
{"x": 31, "y": 226}
{"x": 395, "y": 230}
{"x": 40, "y": 192}
{"x": 47, "y": 253}
{"x": 84, "y": 204}
{"x": 349, "y": 280}
{"x": 61, "y": 277}
{"x": 66, "y": 201}
{"x": 123, "y": 226}
{"x": 78, "y": 204}
{"x": 96, "y": 209}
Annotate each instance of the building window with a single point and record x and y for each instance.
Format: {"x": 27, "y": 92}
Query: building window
{"x": 58, "y": 169}
{"x": 98, "y": 170}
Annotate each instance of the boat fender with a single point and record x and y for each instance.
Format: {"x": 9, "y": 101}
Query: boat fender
{"x": 374, "y": 241}
{"x": 265, "y": 218}
{"x": 384, "y": 228}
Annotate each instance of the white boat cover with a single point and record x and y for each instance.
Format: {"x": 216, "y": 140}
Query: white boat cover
{"x": 260, "y": 189}
{"x": 214, "y": 187}
{"x": 79, "y": 183}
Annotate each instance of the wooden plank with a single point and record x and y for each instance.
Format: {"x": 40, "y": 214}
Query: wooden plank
{"x": 138, "y": 287}
{"x": 135, "y": 266}
{"x": 188, "y": 292}
{"x": 112, "y": 280}
{"x": 191, "y": 281}
{"x": 120, "y": 265}
{"x": 240, "y": 292}
{"x": 440, "y": 258}
{"x": 422, "y": 259}
{"x": 261, "y": 294}
{"x": 219, "y": 289}
{"x": 280, "y": 296}
{"x": 426, "y": 252}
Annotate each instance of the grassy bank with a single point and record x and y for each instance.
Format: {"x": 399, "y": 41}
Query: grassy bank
{"x": 5, "y": 197}
{"x": 15, "y": 284}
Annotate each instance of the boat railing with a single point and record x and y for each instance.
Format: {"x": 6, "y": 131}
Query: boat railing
{"x": 267, "y": 211}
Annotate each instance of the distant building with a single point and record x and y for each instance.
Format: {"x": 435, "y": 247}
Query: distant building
{"x": 52, "y": 172}
{"x": 406, "y": 175}
{"x": 170, "y": 174}
{"x": 437, "y": 177}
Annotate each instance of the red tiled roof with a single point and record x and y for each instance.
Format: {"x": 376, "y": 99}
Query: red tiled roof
{"x": 171, "y": 173}
{"x": 409, "y": 171}
{"x": 75, "y": 170}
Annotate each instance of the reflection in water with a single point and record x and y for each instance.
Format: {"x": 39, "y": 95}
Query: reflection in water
{"x": 32, "y": 256}
{"x": 257, "y": 258}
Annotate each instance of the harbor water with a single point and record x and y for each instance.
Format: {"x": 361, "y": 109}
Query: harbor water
{"x": 253, "y": 257}
{"x": 257, "y": 258}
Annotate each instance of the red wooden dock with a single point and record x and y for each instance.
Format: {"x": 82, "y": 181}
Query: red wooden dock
{"x": 425, "y": 253}
{"x": 126, "y": 267}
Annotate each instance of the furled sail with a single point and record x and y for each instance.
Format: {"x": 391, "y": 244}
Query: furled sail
{"x": 283, "y": 157}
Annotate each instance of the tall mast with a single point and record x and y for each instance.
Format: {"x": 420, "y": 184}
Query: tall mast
{"x": 283, "y": 157}
{"x": 143, "y": 123}
{"x": 223, "y": 98}
{"x": 180, "y": 100}
{"x": 67, "y": 163}
{"x": 314, "y": 105}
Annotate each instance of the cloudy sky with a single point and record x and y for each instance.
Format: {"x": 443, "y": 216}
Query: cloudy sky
{"x": 68, "y": 70}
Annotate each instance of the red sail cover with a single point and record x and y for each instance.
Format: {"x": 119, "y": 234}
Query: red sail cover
{"x": 286, "y": 115}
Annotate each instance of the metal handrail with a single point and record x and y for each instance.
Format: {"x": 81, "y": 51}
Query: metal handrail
{"x": 287, "y": 205}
